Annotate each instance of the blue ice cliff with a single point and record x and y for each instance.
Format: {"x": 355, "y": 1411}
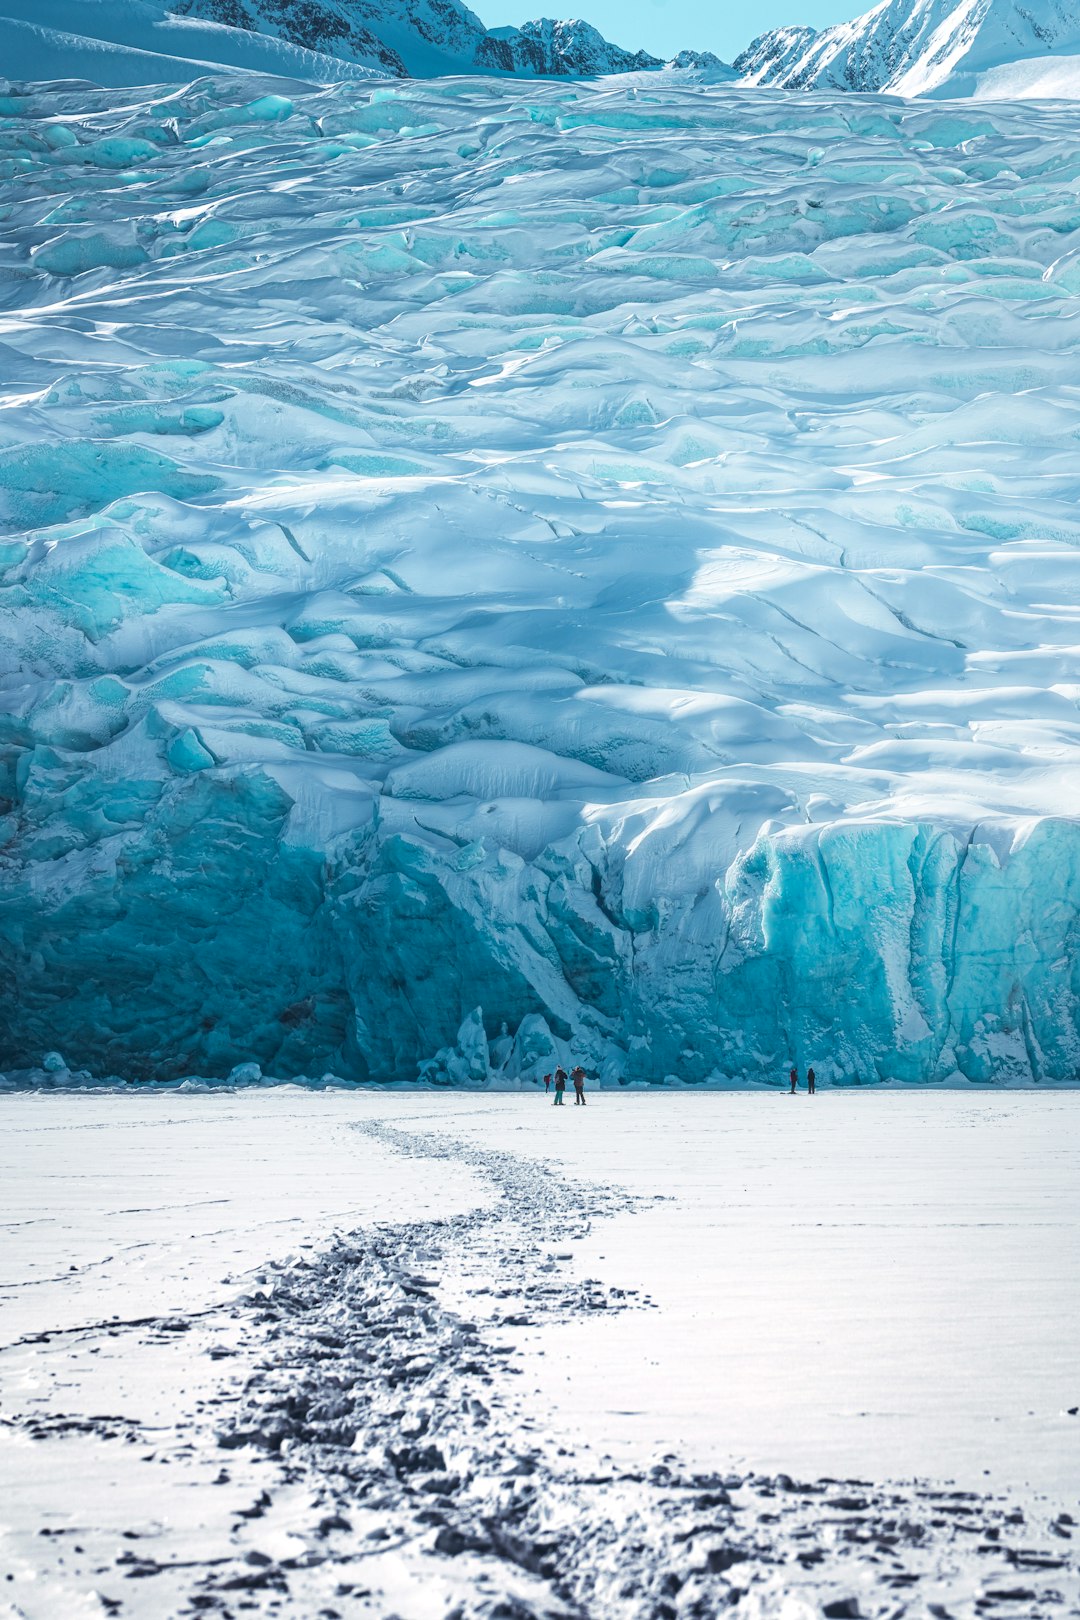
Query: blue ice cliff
{"x": 599, "y": 559}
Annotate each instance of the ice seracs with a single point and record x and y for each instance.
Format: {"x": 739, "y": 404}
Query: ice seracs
{"x": 595, "y": 557}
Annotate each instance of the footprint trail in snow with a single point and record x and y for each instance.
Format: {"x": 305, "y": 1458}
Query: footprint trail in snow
{"x": 372, "y": 1455}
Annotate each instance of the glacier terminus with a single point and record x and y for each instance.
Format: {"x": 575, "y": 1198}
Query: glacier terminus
{"x": 487, "y": 563}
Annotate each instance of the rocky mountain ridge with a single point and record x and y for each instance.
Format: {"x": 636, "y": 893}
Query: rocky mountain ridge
{"x": 931, "y": 47}
{"x": 989, "y": 49}
{"x": 425, "y": 37}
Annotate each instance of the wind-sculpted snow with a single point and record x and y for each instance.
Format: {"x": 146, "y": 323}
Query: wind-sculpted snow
{"x": 602, "y": 555}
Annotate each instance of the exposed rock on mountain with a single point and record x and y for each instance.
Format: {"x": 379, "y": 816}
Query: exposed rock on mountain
{"x": 129, "y": 42}
{"x": 702, "y": 62}
{"x": 330, "y": 28}
{"x": 399, "y": 36}
{"x": 558, "y": 49}
{"x": 425, "y": 37}
{"x": 934, "y": 47}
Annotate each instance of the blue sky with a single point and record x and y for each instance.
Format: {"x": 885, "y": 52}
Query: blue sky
{"x": 666, "y": 26}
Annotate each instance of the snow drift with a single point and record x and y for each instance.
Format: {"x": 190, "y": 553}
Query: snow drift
{"x": 604, "y": 557}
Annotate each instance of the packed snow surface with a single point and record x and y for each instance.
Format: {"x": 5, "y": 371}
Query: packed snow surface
{"x": 860, "y": 1284}
{"x": 789, "y": 1358}
{"x": 599, "y": 559}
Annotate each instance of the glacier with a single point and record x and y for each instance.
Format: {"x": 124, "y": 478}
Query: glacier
{"x": 490, "y": 569}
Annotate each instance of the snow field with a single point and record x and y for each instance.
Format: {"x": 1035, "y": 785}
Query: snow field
{"x": 599, "y": 553}
{"x": 126, "y": 1233}
{"x": 857, "y": 1284}
{"x": 396, "y": 1353}
{"x": 158, "y": 1204}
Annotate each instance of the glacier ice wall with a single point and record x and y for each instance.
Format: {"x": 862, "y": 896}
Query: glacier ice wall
{"x": 602, "y": 555}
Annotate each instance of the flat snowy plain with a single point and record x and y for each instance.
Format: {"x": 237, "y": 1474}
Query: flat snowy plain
{"x": 564, "y": 1364}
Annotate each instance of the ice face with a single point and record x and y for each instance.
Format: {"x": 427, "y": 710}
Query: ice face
{"x": 596, "y": 559}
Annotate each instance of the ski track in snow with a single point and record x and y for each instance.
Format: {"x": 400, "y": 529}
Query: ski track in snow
{"x": 370, "y": 1455}
{"x": 603, "y": 552}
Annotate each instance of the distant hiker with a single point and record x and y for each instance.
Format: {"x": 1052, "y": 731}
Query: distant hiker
{"x": 547, "y": 1083}
{"x": 560, "y": 1086}
{"x": 810, "y": 1081}
{"x": 577, "y": 1075}
{"x": 794, "y": 1078}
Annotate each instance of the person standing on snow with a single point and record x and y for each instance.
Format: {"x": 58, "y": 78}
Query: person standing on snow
{"x": 810, "y": 1082}
{"x": 577, "y": 1075}
{"x": 794, "y": 1078}
{"x": 547, "y": 1084}
{"x": 560, "y": 1085}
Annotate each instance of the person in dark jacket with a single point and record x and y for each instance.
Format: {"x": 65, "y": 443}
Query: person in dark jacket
{"x": 810, "y": 1081}
{"x": 577, "y": 1075}
{"x": 547, "y": 1084}
{"x": 794, "y": 1078}
{"x": 560, "y": 1086}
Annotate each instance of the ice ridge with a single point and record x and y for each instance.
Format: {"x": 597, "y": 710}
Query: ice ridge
{"x": 602, "y": 556}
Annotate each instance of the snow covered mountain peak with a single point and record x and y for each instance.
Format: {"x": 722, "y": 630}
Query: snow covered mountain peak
{"x": 549, "y": 48}
{"x": 943, "y": 47}
{"x": 422, "y": 37}
{"x": 705, "y": 62}
{"x": 419, "y": 37}
{"x": 156, "y": 41}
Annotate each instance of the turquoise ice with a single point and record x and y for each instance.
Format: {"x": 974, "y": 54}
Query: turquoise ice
{"x": 598, "y": 559}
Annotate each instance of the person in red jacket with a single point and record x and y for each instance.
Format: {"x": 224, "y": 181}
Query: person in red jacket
{"x": 577, "y": 1075}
